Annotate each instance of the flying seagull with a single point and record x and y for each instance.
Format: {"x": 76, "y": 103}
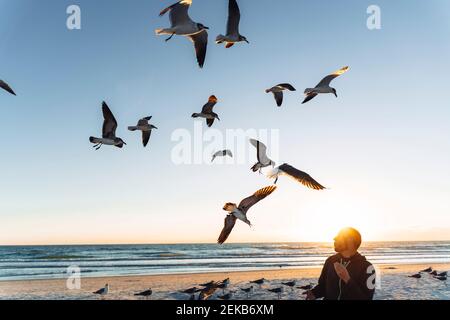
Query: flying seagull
{"x": 324, "y": 85}
{"x": 240, "y": 212}
{"x": 109, "y": 131}
{"x": 261, "y": 154}
{"x": 302, "y": 177}
{"x": 146, "y": 293}
{"x": 223, "y": 153}
{"x": 233, "y": 36}
{"x": 103, "y": 291}
{"x": 278, "y": 92}
{"x": 207, "y": 112}
{"x": 182, "y": 25}
{"x": 6, "y": 87}
{"x": 146, "y": 129}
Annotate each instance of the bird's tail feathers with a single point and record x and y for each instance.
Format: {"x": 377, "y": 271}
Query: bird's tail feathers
{"x": 94, "y": 140}
{"x": 195, "y": 115}
{"x": 162, "y": 31}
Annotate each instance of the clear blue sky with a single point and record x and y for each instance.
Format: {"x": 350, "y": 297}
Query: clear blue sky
{"x": 383, "y": 147}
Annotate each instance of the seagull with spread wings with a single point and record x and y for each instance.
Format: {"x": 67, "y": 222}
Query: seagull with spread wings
{"x": 146, "y": 129}
{"x": 300, "y": 176}
{"x": 240, "y": 212}
{"x": 109, "y": 131}
{"x": 261, "y": 154}
{"x": 182, "y": 25}
{"x": 324, "y": 86}
{"x": 222, "y": 153}
{"x": 207, "y": 112}
{"x": 233, "y": 36}
{"x": 278, "y": 92}
{"x": 6, "y": 87}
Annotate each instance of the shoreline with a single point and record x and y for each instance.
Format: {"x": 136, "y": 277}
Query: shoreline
{"x": 167, "y": 287}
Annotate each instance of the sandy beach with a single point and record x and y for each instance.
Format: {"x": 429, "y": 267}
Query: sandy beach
{"x": 394, "y": 285}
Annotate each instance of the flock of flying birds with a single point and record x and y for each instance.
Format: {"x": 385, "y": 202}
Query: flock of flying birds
{"x": 183, "y": 25}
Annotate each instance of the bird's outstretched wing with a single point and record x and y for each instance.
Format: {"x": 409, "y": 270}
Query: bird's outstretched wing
{"x": 146, "y": 137}
{"x": 261, "y": 151}
{"x": 234, "y": 17}
{"x": 309, "y": 97}
{"x": 249, "y": 202}
{"x": 6, "y": 87}
{"x": 230, "y": 221}
{"x": 109, "y": 123}
{"x": 200, "y": 41}
{"x": 327, "y": 80}
{"x": 287, "y": 86}
{"x": 302, "y": 177}
{"x": 178, "y": 12}
{"x": 278, "y": 95}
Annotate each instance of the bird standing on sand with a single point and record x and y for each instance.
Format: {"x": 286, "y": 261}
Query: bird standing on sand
{"x": 290, "y": 284}
{"x": 278, "y": 92}
{"x": 207, "y": 111}
{"x": 222, "y": 153}
{"x": 442, "y": 274}
{"x": 300, "y": 176}
{"x": 441, "y": 278}
{"x": 278, "y": 291}
{"x": 103, "y": 291}
{"x": 182, "y": 25}
{"x": 261, "y": 155}
{"x": 232, "y": 36}
{"x": 208, "y": 291}
{"x": 247, "y": 290}
{"x": 427, "y": 270}
{"x": 416, "y": 276}
{"x": 324, "y": 86}
{"x": 146, "y": 129}
{"x": 240, "y": 212}
{"x": 307, "y": 287}
{"x": 191, "y": 290}
{"x": 259, "y": 282}
{"x": 227, "y": 296}
{"x": 146, "y": 293}
{"x": 109, "y": 131}
{"x": 6, "y": 87}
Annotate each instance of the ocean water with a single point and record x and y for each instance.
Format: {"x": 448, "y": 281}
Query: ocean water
{"x": 50, "y": 262}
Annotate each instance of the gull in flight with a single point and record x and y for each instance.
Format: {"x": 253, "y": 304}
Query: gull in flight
{"x": 302, "y": 177}
{"x": 240, "y": 212}
{"x": 261, "y": 154}
{"x": 182, "y": 25}
{"x": 233, "y": 36}
{"x": 6, "y": 87}
{"x": 278, "y": 92}
{"x": 109, "y": 131}
{"x": 207, "y": 112}
{"x": 146, "y": 129}
{"x": 324, "y": 85}
{"x": 223, "y": 153}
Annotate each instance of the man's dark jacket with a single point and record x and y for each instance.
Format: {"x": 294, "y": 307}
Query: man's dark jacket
{"x": 361, "y": 285}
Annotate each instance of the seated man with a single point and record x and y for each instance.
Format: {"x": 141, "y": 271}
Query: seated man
{"x": 346, "y": 275}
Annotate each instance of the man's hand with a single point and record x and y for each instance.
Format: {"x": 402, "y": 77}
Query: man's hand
{"x": 342, "y": 272}
{"x": 310, "y": 295}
